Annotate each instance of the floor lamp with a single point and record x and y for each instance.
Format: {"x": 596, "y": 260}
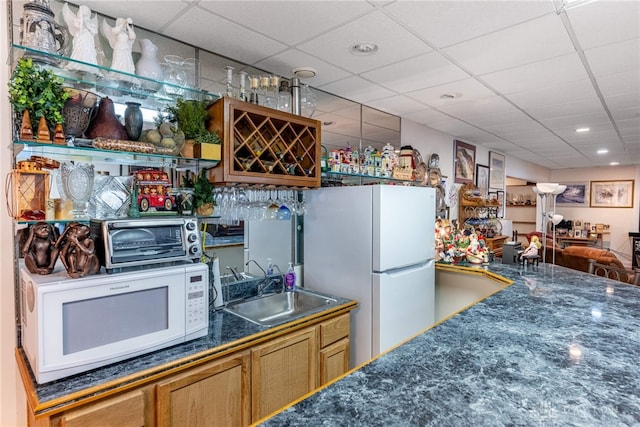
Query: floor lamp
{"x": 544, "y": 190}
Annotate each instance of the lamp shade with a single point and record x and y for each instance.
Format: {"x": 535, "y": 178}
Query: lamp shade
{"x": 547, "y": 187}
{"x": 555, "y": 219}
{"x": 560, "y": 189}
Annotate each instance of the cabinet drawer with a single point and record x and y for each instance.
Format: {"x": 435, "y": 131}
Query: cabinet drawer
{"x": 334, "y": 330}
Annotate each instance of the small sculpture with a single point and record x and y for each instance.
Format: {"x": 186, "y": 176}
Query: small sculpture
{"x": 77, "y": 251}
{"x": 39, "y": 251}
{"x": 83, "y": 27}
{"x": 44, "y": 135}
{"x": 121, "y": 38}
{"x": 532, "y": 250}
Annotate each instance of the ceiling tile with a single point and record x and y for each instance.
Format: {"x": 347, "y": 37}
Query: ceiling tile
{"x": 602, "y": 22}
{"x": 395, "y": 43}
{"x": 567, "y": 68}
{"x": 357, "y": 89}
{"x": 273, "y": 18}
{"x": 620, "y": 84}
{"x": 585, "y": 106}
{"x": 398, "y": 105}
{"x": 553, "y": 94}
{"x": 423, "y": 71}
{"x": 230, "y": 40}
{"x": 466, "y": 89}
{"x": 538, "y": 39}
{"x": 444, "y": 23}
{"x": 615, "y": 58}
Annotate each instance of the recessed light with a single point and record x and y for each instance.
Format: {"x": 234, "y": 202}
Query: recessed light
{"x": 614, "y": 164}
{"x": 364, "y": 49}
{"x": 450, "y": 95}
{"x": 602, "y": 151}
{"x": 304, "y": 72}
{"x": 580, "y": 130}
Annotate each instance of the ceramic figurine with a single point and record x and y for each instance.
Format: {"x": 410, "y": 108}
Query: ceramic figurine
{"x": 148, "y": 65}
{"x": 39, "y": 251}
{"x": 83, "y": 27}
{"x": 77, "y": 250}
{"x": 121, "y": 38}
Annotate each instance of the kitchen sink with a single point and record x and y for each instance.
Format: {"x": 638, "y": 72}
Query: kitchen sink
{"x": 275, "y": 309}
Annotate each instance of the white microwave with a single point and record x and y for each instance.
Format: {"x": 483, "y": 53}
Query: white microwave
{"x": 74, "y": 325}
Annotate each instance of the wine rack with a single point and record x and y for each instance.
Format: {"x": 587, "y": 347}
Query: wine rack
{"x": 265, "y": 146}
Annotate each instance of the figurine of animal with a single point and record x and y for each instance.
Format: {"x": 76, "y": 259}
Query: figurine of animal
{"x": 38, "y": 250}
{"x": 77, "y": 250}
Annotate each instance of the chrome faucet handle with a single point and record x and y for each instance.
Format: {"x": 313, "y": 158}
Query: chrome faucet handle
{"x": 277, "y": 268}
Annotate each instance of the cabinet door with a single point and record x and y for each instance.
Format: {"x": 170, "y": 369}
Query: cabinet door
{"x": 214, "y": 394}
{"x": 283, "y": 370}
{"x": 126, "y": 410}
{"x": 334, "y": 361}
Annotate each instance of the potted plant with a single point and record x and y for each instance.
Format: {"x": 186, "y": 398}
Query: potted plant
{"x": 191, "y": 116}
{"x": 37, "y": 91}
{"x": 203, "y": 194}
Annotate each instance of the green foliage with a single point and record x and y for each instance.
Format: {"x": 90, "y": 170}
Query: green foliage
{"x": 207, "y": 137}
{"x": 38, "y": 91}
{"x": 203, "y": 189}
{"x": 190, "y": 116}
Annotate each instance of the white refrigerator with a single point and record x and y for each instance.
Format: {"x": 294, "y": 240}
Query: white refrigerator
{"x": 374, "y": 244}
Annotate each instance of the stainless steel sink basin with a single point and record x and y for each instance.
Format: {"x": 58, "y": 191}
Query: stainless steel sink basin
{"x": 279, "y": 308}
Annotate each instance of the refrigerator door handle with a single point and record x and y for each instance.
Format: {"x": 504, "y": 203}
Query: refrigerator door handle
{"x": 395, "y": 272}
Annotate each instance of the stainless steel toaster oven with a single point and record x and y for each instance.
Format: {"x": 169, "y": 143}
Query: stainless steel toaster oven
{"x": 137, "y": 243}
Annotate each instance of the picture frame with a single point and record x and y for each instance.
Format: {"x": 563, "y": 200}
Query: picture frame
{"x": 464, "y": 160}
{"x": 500, "y": 196}
{"x": 496, "y": 170}
{"x": 612, "y": 194}
{"x": 577, "y": 233}
{"x": 576, "y": 194}
{"x": 482, "y": 178}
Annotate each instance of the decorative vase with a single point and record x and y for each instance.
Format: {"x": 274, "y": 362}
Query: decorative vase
{"x": 174, "y": 75}
{"x": 184, "y": 201}
{"x": 78, "y": 110}
{"x": 133, "y": 120}
{"x": 40, "y": 32}
{"x": 106, "y": 123}
{"x": 77, "y": 182}
{"x": 187, "y": 149}
{"x": 148, "y": 66}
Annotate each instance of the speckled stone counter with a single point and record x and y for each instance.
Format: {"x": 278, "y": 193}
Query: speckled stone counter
{"x": 557, "y": 347}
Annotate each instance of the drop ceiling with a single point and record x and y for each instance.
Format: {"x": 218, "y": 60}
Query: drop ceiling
{"x": 523, "y": 75}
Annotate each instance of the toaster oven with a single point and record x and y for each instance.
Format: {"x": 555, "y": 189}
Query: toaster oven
{"x": 138, "y": 243}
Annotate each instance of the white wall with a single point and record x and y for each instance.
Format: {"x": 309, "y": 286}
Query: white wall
{"x": 12, "y": 396}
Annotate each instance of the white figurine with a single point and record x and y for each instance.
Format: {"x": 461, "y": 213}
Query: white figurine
{"x": 83, "y": 27}
{"x": 121, "y": 38}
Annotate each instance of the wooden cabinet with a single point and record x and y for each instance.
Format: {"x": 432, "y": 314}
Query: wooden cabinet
{"x": 265, "y": 146}
{"x": 334, "y": 348}
{"x": 214, "y": 394}
{"x": 232, "y": 390}
{"x": 131, "y": 409}
{"x": 282, "y": 371}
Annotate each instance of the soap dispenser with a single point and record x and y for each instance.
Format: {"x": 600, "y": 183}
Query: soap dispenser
{"x": 290, "y": 279}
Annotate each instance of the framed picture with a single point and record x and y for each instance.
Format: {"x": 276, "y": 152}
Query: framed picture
{"x": 577, "y": 233}
{"x": 611, "y": 194}
{"x": 576, "y": 194}
{"x": 496, "y": 170}
{"x": 500, "y": 197}
{"x": 464, "y": 162}
{"x": 482, "y": 177}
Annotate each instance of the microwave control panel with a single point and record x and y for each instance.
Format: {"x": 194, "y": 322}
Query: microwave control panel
{"x": 197, "y": 301}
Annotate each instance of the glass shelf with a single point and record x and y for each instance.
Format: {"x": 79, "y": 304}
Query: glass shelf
{"x": 342, "y": 178}
{"x": 116, "y": 84}
{"x": 25, "y": 149}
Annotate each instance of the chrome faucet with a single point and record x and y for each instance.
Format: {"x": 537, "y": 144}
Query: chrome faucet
{"x": 234, "y": 271}
{"x": 258, "y": 265}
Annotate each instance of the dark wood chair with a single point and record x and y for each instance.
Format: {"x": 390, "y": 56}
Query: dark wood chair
{"x": 620, "y": 274}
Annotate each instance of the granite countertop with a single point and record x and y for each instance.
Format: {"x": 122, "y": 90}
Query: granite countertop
{"x": 557, "y": 347}
{"x": 226, "y": 330}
